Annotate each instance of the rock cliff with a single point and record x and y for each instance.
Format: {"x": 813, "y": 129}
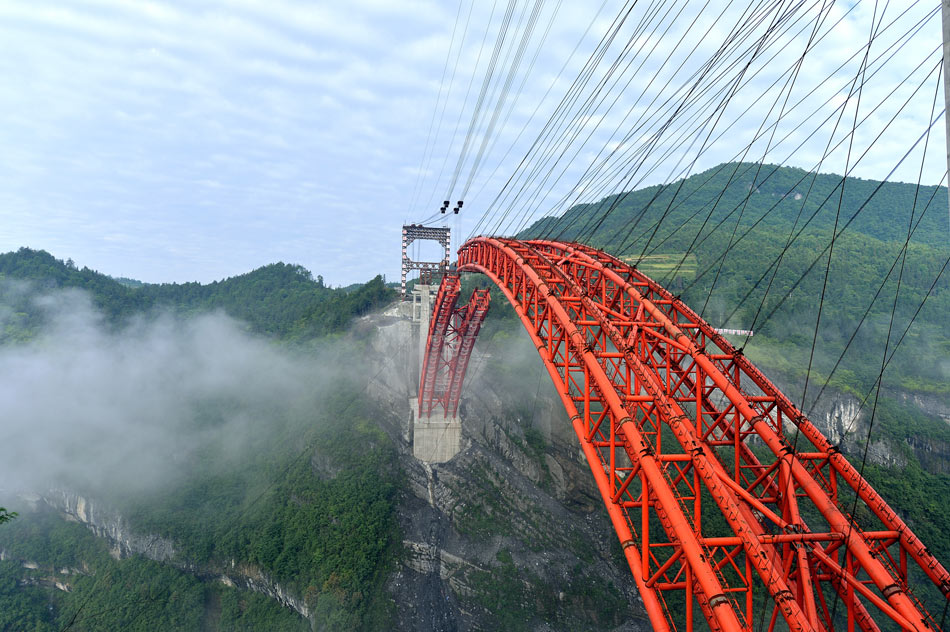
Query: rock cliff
{"x": 107, "y": 523}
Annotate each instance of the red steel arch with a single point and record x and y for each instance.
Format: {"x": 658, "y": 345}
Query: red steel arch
{"x": 451, "y": 337}
{"x": 716, "y": 509}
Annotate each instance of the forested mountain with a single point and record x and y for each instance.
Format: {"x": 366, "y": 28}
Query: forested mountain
{"x": 328, "y": 541}
{"x": 747, "y": 246}
{"x": 269, "y": 483}
{"x": 767, "y": 196}
{"x": 219, "y": 479}
{"x": 278, "y": 299}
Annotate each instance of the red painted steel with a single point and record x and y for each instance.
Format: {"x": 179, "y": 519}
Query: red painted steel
{"x": 451, "y": 338}
{"x": 719, "y": 514}
{"x": 469, "y": 322}
{"x": 434, "y": 375}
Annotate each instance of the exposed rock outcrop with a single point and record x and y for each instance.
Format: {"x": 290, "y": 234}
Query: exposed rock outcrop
{"x": 108, "y": 524}
{"x": 513, "y": 525}
{"x": 114, "y": 528}
{"x": 843, "y": 420}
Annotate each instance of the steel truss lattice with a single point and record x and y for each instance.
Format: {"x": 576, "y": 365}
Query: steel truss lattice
{"x": 451, "y": 338}
{"x": 667, "y": 412}
{"x": 415, "y": 232}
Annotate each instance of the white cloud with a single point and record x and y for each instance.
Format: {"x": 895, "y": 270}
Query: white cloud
{"x": 127, "y": 399}
{"x": 237, "y": 126}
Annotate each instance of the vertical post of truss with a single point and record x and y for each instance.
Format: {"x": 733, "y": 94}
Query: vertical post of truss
{"x": 448, "y": 240}
{"x": 405, "y": 261}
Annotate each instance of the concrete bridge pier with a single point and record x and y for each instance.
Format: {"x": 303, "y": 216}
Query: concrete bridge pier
{"x": 435, "y": 439}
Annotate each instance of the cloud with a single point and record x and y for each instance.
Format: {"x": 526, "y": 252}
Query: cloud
{"x": 86, "y": 405}
{"x": 188, "y": 126}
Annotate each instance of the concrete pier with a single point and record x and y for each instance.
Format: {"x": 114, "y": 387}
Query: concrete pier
{"x": 435, "y": 439}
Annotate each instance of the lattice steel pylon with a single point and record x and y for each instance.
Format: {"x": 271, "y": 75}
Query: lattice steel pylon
{"x": 415, "y": 232}
{"x": 686, "y": 440}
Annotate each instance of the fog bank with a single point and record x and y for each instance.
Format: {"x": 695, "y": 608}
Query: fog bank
{"x": 85, "y": 404}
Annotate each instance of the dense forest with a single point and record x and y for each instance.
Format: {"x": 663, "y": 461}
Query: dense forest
{"x": 747, "y": 246}
{"x": 278, "y": 300}
{"x": 329, "y": 539}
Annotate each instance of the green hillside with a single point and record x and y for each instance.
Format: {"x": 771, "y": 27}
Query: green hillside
{"x": 715, "y": 238}
{"x": 328, "y": 539}
{"x": 778, "y": 196}
{"x": 279, "y": 299}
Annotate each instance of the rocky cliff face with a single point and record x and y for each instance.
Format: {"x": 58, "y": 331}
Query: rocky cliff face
{"x": 843, "y": 420}
{"x": 932, "y": 404}
{"x": 511, "y": 533}
{"x": 108, "y": 524}
{"x": 111, "y": 526}
{"x": 840, "y": 417}
{"x": 518, "y": 504}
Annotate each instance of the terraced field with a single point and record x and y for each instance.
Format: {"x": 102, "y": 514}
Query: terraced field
{"x": 665, "y": 267}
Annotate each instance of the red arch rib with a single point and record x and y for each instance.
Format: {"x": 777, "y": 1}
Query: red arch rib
{"x": 469, "y": 323}
{"x": 665, "y": 409}
{"x": 434, "y": 367}
{"x": 452, "y": 333}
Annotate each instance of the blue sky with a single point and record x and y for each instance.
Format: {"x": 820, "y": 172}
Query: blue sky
{"x": 195, "y": 141}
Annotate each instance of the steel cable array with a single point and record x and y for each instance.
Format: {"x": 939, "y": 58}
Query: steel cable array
{"x": 687, "y": 127}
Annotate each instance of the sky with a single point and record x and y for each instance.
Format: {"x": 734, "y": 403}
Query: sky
{"x": 175, "y": 141}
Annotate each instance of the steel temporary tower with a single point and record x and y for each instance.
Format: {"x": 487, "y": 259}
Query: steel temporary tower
{"x": 413, "y": 232}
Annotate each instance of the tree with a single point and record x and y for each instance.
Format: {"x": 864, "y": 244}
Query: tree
{"x": 6, "y": 516}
